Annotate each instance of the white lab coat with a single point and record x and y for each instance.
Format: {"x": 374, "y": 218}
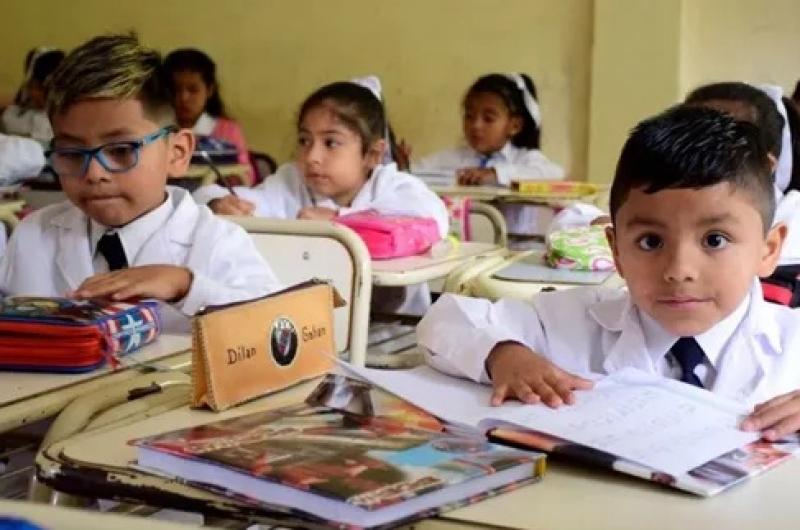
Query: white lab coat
{"x": 20, "y": 159}
{"x": 510, "y": 163}
{"x": 49, "y": 254}
{"x": 598, "y": 330}
{"x": 388, "y": 191}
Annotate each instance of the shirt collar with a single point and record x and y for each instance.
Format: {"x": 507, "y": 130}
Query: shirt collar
{"x": 498, "y": 157}
{"x": 136, "y": 233}
{"x": 204, "y": 125}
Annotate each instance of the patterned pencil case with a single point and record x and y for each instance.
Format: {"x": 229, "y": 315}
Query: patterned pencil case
{"x": 583, "y": 248}
{"x": 42, "y": 334}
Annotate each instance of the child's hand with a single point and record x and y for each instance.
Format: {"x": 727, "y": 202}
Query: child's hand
{"x": 519, "y": 372}
{"x": 163, "y": 282}
{"x": 316, "y": 213}
{"x": 403, "y": 155}
{"x": 476, "y": 176}
{"x": 775, "y": 418}
{"x": 231, "y": 205}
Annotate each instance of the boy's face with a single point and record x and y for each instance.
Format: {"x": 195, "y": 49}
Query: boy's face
{"x": 115, "y": 199}
{"x": 330, "y": 156}
{"x": 689, "y": 256}
{"x": 488, "y": 125}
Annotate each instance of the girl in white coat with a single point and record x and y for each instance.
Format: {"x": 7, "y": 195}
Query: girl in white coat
{"x": 502, "y": 127}
{"x": 338, "y": 170}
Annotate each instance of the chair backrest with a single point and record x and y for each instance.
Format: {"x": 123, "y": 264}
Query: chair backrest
{"x": 487, "y": 224}
{"x": 300, "y": 250}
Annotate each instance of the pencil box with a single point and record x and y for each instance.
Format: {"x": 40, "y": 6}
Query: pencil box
{"x": 62, "y": 335}
{"x": 216, "y": 150}
{"x": 392, "y": 236}
{"x": 582, "y": 248}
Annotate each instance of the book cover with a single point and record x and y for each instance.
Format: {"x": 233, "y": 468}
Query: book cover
{"x": 60, "y": 334}
{"x": 706, "y": 480}
{"x": 354, "y": 469}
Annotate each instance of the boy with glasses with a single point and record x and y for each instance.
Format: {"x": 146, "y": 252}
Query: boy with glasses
{"x": 124, "y": 234}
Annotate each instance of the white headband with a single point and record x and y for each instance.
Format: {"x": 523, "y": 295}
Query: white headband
{"x": 783, "y": 172}
{"x": 373, "y": 84}
{"x": 527, "y": 98}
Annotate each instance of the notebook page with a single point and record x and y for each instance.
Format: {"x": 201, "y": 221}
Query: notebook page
{"x": 663, "y": 424}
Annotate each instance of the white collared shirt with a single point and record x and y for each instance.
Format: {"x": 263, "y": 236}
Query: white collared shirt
{"x": 510, "y": 163}
{"x": 712, "y": 342}
{"x": 598, "y": 331}
{"x": 133, "y": 235}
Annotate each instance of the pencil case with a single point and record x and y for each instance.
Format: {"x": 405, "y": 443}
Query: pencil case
{"x": 392, "y": 236}
{"x": 582, "y": 248}
{"x": 61, "y": 335}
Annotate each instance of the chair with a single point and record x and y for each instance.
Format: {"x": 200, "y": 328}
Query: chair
{"x": 263, "y": 164}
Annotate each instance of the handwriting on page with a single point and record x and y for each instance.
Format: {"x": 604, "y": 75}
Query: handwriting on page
{"x": 645, "y": 423}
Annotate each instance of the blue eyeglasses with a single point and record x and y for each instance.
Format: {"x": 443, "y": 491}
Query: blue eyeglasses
{"x": 115, "y": 157}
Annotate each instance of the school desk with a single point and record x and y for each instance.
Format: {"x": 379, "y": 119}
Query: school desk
{"x": 508, "y": 278}
{"x": 570, "y": 495}
{"x": 29, "y": 397}
{"x": 9, "y": 210}
{"x": 59, "y": 518}
{"x": 205, "y": 174}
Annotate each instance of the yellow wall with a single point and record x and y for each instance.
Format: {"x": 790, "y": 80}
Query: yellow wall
{"x": 271, "y": 53}
{"x": 748, "y": 40}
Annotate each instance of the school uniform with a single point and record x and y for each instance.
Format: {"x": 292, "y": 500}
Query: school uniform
{"x": 509, "y": 163}
{"x": 751, "y": 355}
{"x": 387, "y": 191}
{"x": 20, "y": 159}
{"x": 27, "y": 122}
{"x": 224, "y": 129}
{"x": 53, "y": 251}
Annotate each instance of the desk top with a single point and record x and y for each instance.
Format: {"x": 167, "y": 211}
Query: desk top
{"x": 23, "y": 393}
{"x": 438, "y": 262}
{"x": 570, "y": 496}
{"x": 54, "y": 517}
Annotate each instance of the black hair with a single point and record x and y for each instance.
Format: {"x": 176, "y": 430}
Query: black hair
{"x": 39, "y": 66}
{"x": 793, "y": 119}
{"x": 796, "y": 93}
{"x": 506, "y": 89}
{"x": 194, "y": 60}
{"x": 354, "y": 105}
{"x": 765, "y": 114}
{"x": 695, "y": 147}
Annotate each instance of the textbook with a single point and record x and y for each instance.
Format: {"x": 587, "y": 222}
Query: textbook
{"x": 637, "y": 423}
{"x": 338, "y": 468}
{"x": 63, "y": 335}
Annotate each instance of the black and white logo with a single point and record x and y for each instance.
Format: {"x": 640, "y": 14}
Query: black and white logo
{"x": 283, "y": 341}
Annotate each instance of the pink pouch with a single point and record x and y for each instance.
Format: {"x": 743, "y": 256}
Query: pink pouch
{"x": 392, "y": 236}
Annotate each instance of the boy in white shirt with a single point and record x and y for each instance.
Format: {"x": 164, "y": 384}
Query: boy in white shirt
{"x": 692, "y": 205}
{"x": 124, "y": 234}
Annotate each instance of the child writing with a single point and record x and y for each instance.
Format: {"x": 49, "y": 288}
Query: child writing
{"x": 27, "y": 116}
{"x": 502, "y": 126}
{"x": 341, "y": 142}
{"x": 123, "y": 234}
{"x": 692, "y": 204}
{"x": 197, "y": 100}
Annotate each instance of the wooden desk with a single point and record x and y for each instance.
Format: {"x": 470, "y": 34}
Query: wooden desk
{"x": 54, "y": 517}
{"x": 28, "y": 397}
{"x": 486, "y": 284}
{"x": 569, "y": 496}
{"x": 438, "y": 262}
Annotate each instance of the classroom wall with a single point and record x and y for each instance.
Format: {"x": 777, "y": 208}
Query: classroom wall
{"x": 271, "y": 53}
{"x": 750, "y": 40}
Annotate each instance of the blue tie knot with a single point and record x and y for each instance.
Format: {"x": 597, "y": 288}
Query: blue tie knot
{"x": 689, "y": 354}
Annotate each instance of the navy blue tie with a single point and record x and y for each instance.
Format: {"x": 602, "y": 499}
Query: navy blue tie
{"x": 484, "y": 161}
{"x": 688, "y": 354}
{"x": 110, "y": 246}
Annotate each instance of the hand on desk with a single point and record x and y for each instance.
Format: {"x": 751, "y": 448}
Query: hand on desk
{"x": 476, "y": 176}
{"x": 775, "y": 418}
{"x": 169, "y": 283}
{"x": 519, "y": 372}
{"x": 316, "y": 213}
{"x": 232, "y": 205}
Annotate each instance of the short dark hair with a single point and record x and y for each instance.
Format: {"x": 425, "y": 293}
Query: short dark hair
{"x": 354, "y": 105}
{"x": 765, "y": 114}
{"x": 115, "y": 67}
{"x": 194, "y": 60}
{"x": 695, "y": 147}
{"x": 503, "y": 87}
